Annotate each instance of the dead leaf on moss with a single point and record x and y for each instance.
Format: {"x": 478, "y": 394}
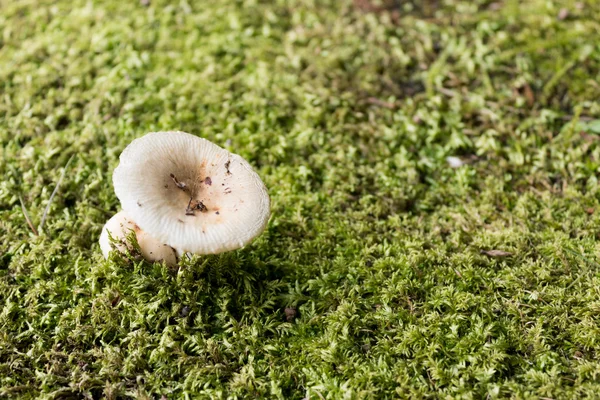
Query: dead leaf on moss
{"x": 496, "y": 253}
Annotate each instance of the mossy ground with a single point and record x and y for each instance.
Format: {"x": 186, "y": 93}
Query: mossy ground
{"x": 372, "y": 279}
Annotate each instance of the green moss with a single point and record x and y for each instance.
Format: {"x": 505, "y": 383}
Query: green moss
{"x": 370, "y": 280}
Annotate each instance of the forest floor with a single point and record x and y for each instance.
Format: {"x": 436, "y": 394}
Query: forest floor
{"x": 433, "y": 170}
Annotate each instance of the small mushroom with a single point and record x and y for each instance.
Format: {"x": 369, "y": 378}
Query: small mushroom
{"x": 119, "y": 226}
{"x": 196, "y": 196}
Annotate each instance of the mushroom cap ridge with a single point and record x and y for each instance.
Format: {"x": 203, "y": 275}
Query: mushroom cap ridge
{"x": 190, "y": 193}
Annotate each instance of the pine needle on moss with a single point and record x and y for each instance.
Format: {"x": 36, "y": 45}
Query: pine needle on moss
{"x": 62, "y": 175}
{"x": 27, "y": 218}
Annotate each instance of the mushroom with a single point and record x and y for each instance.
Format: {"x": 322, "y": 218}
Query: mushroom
{"x": 119, "y": 226}
{"x": 190, "y": 193}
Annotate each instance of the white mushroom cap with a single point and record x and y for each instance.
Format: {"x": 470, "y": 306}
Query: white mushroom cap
{"x": 119, "y": 226}
{"x": 191, "y": 193}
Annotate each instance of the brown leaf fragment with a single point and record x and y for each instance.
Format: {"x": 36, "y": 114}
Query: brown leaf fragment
{"x": 589, "y": 138}
{"x": 563, "y": 14}
{"x": 496, "y": 253}
{"x": 27, "y": 218}
{"x": 290, "y": 314}
{"x": 528, "y": 92}
{"x": 381, "y": 103}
